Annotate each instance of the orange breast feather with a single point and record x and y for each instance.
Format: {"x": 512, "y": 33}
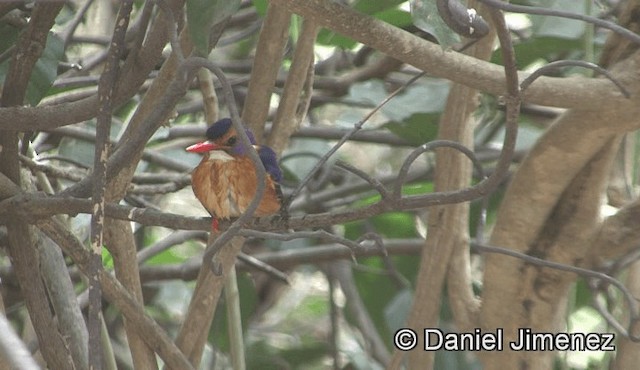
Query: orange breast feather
{"x": 226, "y": 188}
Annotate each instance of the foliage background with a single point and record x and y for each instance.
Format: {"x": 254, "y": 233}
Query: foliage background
{"x": 335, "y": 312}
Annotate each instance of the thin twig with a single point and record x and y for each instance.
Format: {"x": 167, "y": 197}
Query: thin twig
{"x": 259, "y": 265}
{"x": 75, "y": 22}
{"x": 629, "y": 297}
{"x": 345, "y": 138}
{"x": 173, "y": 29}
{"x": 375, "y": 183}
{"x": 402, "y": 174}
{"x": 498, "y": 4}
{"x": 319, "y": 234}
{"x": 572, "y": 63}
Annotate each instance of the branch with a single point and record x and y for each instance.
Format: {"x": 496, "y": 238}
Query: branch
{"x": 358, "y": 310}
{"x": 616, "y": 236}
{"x": 558, "y": 13}
{"x": 290, "y": 259}
{"x": 629, "y": 298}
{"x": 148, "y": 329}
{"x": 13, "y": 350}
{"x": 21, "y": 237}
{"x": 570, "y": 92}
{"x": 270, "y": 48}
{"x": 572, "y": 63}
{"x": 134, "y": 73}
{"x": 106, "y": 88}
{"x": 294, "y": 101}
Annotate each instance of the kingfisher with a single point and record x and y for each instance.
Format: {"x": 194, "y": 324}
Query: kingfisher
{"x": 225, "y": 181}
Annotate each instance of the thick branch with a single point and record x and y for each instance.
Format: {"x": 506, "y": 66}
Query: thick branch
{"x": 617, "y": 235}
{"x": 134, "y": 73}
{"x": 273, "y": 39}
{"x": 558, "y": 92}
{"x": 152, "y": 333}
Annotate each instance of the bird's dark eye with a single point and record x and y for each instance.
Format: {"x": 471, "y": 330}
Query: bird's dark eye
{"x": 232, "y": 141}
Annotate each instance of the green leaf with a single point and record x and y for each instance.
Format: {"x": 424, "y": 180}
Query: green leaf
{"x": 368, "y": 92}
{"x": 384, "y": 10}
{"x": 165, "y": 258}
{"x": 377, "y": 290}
{"x": 372, "y": 7}
{"x": 395, "y": 225}
{"x": 45, "y": 70}
{"x": 557, "y": 26}
{"x": 418, "y": 129}
{"x": 107, "y": 258}
{"x": 389, "y": 225}
{"x": 248, "y": 303}
{"x": 261, "y": 6}
{"x": 202, "y": 15}
{"x": 396, "y": 17}
{"x": 396, "y": 311}
{"x": 9, "y": 37}
{"x": 536, "y": 48}
{"x": 583, "y": 296}
{"x": 425, "y": 16}
{"x": 82, "y": 150}
{"x": 330, "y": 38}
{"x": 428, "y": 96}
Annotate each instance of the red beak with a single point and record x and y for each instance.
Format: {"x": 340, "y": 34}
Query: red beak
{"x": 202, "y": 147}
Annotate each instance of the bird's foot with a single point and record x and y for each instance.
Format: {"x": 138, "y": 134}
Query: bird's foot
{"x": 214, "y": 224}
{"x": 284, "y": 216}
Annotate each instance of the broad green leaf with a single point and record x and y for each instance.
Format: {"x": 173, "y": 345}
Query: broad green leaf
{"x": 202, "y": 15}
{"x": 377, "y": 290}
{"x": 81, "y": 150}
{"x": 248, "y": 303}
{"x": 385, "y": 10}
{"x": 267, "y": 355}
{"x": 307, "y": 152}
{"x": 373, "y": 7}
{"x": 165, "y": 258}
{"x": 9, "y": 37}
{"x": 45, "y": 70}
{"x": 396, "y": 17}
{"x": 107, "y": 258}
{"x": 528, "y": 134}
{"x": 261, "y": 6}
{"x": 306, "y": 354}
{"x": 368, "y": 92}
{"x": 540, "y": 48}
{"x": 557, "y": 26}
{"x": 397, "y": 310}
{"x": 426, "y": 96}
{"x": 583, "y": 296}
{"x": 418, "y": 129}
{"x": 330, "y": 38}
{"x": 78, "y": 150}
{"x": 425, "y": 16}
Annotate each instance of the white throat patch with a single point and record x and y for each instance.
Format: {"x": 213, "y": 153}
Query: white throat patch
{"x": 220, "y": 155}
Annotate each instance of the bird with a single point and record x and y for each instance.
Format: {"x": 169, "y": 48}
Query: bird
{"x": 225, "y": 181}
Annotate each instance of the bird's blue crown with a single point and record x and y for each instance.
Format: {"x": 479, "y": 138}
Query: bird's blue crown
{"x": 221, "y": 127}
{"x": 267, "y": 155}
